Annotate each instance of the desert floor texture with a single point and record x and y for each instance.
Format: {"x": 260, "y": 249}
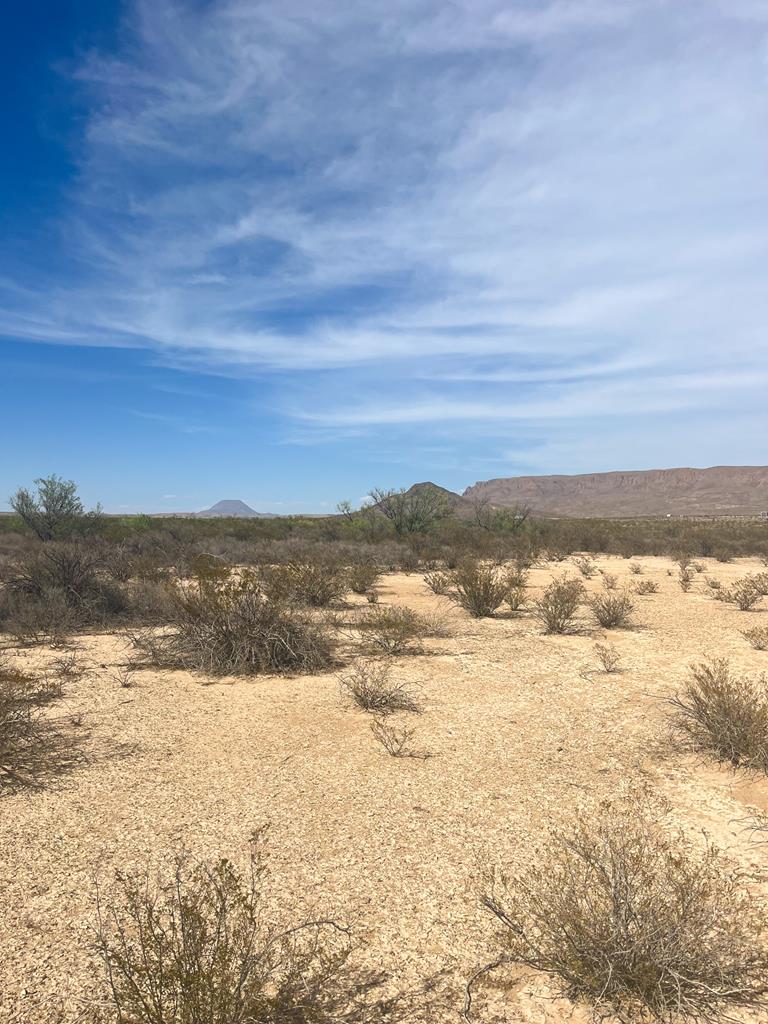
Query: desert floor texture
{"x": 521, "y": 728}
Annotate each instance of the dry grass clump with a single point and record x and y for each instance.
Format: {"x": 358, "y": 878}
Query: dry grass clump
{"x": 557, "y": 606}
{"x": 609, "y": 581}
{"x": 232, "y": 627}
{"x": 398, "y": 742}
{"x": 369, "y": 685}
{"x": 644, "y": 587}
{"x": 612, "y": 610}
{"x": 199, "y": 947}
{"x": 608, "y": 657}
{"x": 395, "y": 629}
{"x": 636, "y": 920}
{"x": 758, "y": 637}
{"x": 725, "y": 713}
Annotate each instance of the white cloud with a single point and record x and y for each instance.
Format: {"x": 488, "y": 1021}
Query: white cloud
{"x": 568, "y": 195}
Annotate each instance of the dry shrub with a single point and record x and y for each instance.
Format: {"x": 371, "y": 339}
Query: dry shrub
{"x": 313, "y": 583}
{"x": 29, "y": 745}
{"x": 685, "y": 579}
{"x": 633, "y": 918}
{"x": 725, "y": 714}
{"x": 644, "y": 587}
{"x": 635, "y": 568}
{"x": 517, "y": 582}
{"x": 477, "y": 588}
{"x": 232, "y": 627}
{"x": 608, "y": 657}
{"x": 199, "y": 947}
{"x": 612, "y": 610}
{"x": 394, "y": 629}
{"x": 743, "y": 593}
{"x": 609, "y": 582}
{"x": 396, "y": 741}
{"x": 362, "y": 577}
{"x": 760, "y": 582}
{"x": 438, "y": 581}
{"x": 758, "y": 637}
{"x": 586, "y": 565}
{"x": 369, "y": 685}
{"x": 557, "y": 606}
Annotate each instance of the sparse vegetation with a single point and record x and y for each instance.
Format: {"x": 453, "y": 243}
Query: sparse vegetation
{"x": 612, "y": 610}
{"x": 29, "y": 744}
{"x": 370, "y": 686}
{"x": 608, "y": 657}
{"x": 234, "y": 628}
{"x": 198, "y": 948}
{"x": 586, "y": 565}
{"x": 312, "y": 583}
{"x": 644, "y": 587}
{"x": 634, "y": 918}
{"x": 757, "y": 637}
{"x": 477, "y": 588}
{"x": 362, "y": 577}
{"x": 557, "y": 606}
{"x": 744, "y": 593}
{"x": 393, "y": 629}
{"x": 438, "y": 581}
{"x": 725, "y": 713}
{"x": 398, "y": 742}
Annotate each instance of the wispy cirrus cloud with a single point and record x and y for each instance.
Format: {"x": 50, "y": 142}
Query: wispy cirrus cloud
{"x": 550, "y": 212}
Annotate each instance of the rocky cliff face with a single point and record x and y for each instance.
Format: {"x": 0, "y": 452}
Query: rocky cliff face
{"x": 720, "y": 490}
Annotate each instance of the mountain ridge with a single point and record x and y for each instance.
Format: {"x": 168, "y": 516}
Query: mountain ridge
{"x": 687, "y": 491}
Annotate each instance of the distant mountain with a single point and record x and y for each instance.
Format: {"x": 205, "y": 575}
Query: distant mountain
{"x": 719, "y": 490}
{"x": 232, "y": 509}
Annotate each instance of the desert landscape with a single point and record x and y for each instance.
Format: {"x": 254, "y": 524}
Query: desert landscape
{"x": 491, "y": 726}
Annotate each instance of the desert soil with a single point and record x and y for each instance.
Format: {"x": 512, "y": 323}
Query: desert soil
{"x": 521, "y": 727}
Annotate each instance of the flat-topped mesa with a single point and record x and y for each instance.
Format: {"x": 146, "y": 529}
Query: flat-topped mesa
{"x": 719, "y": 490}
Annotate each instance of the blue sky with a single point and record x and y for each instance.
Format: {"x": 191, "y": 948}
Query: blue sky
{"x": 289, "y": 251}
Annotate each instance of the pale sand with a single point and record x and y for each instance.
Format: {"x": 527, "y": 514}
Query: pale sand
{"x": 520, "y": 730}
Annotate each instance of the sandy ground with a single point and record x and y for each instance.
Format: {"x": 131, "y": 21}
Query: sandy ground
{"x": 521, "y": 726}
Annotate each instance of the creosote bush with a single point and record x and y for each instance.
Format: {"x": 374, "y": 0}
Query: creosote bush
{"x": 312, "y": 583}
{"x": 634, "y": 918}
{"x": 362, "y": 577}
{"x": 557, "y": 606}
{"x": 725, "y": 714}
{"x": 612, "y": 610}
{"x": 198, "y": 947}
{"x": 232, "y": 627}
{"x": 394, "y": 629}
{"x": 438, "y": 581}
{"x": 369, "y": 685}
{"x": 28, "y": 744}
{"x": 608, "y": 657}
{"x": 644, "y": 587}
{"x": 586, "y": 565}
{"x": 477, "y": 588}
{"x": 744, "y": 593}
{"x": 757, "y": 637}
